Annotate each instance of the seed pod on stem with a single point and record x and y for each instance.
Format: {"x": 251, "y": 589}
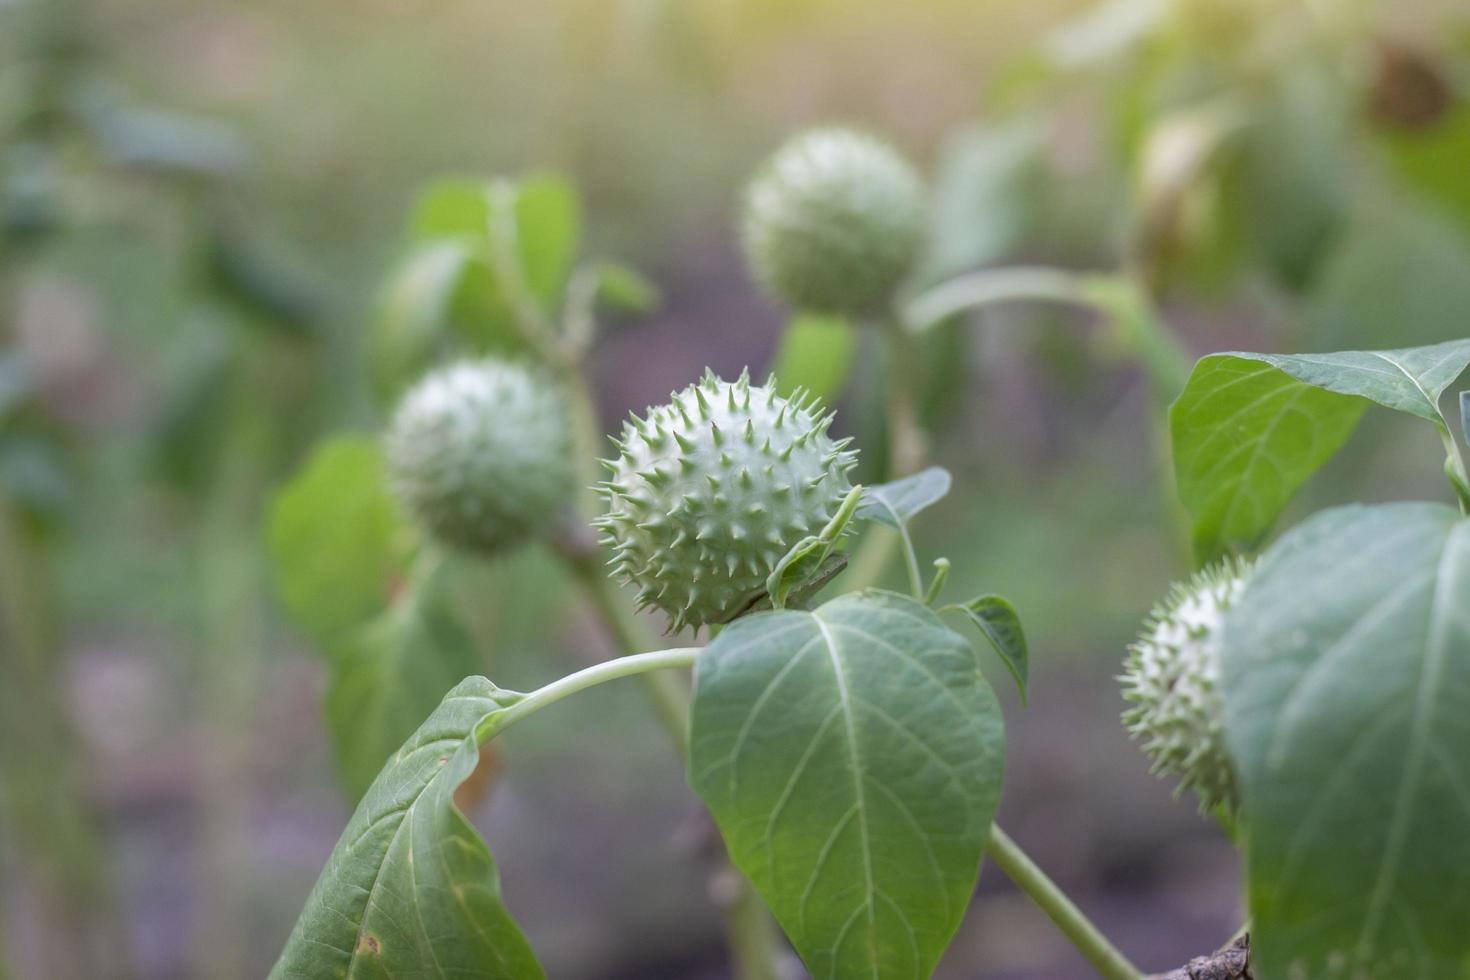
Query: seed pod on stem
{"x": 480, "y": 454}
{"x": 833, "y": 222}
{"x": 1172, "y": 677}
{"x": 710, "y": 491}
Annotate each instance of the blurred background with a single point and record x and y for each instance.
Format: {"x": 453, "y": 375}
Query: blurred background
{"x": 211, "y": 230}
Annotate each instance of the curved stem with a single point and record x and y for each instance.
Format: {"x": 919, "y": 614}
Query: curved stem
{"x": 1090, "y": 942}
{"x": 1454, "y": 464}
{"x": 749, "y": 928}
{"x": 666, "y": 693}
{"x": 1120, "y": 297}
{"x": 608, "y": 670}
{"x": 990, "y": 286}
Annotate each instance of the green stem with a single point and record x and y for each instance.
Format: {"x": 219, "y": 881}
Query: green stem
{"x": 990, "y": 286}
{"x": 1128, "y": 309}
{"x": 749, "y": 928}
{"x": 609, "y": 670}
{"x": 1120, "y": 297}
{"x": 1454, "y": 465}
{"x": 936, "y": 585}
{"x": 1091, "y": 943}
{"x": 539, "y": 331}
{"x": 666, "y": 693}
{"x": 907, "y": 447}
{"x": 911, "y": 562}
{"x": 907, "y": 444}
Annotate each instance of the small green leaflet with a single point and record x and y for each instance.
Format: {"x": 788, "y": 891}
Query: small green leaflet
{"x": 1346, "y": 678}
{"x": 1250, "y": 429}
{"x": 852, "y": 757}
{"x": 997, "y": 620}
{"x": 896, "y": 503}
{"x": 411, "y": 889}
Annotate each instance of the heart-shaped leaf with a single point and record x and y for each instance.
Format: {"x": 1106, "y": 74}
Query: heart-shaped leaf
{"x": 1346, "y": 671}
{"x": 852, "y": 757}
{"x": 411, "y": 890}
{"x": 1250, "y": 429}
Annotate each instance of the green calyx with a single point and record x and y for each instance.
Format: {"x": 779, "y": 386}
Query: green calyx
{"x": 1172, "y": 677}
{"x": 480, "y": 453}
{"x": 834, "y": 222}
{"x": 710, "y": 491}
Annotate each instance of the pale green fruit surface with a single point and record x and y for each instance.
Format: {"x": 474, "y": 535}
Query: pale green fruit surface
{"x": 1173, "y": 679}
{"x": 480, "y": 453}
{"x": 833, "y": 222}
{"x": 710, "y": 491}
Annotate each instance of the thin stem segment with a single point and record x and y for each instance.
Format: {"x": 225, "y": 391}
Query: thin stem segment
{"x": 1090, "y": 942}
{"x": 1454, "y": 465}
{"x": 748, "y": 927}
{"x": 667, "y": 694}
{"x": 608, "y": 670}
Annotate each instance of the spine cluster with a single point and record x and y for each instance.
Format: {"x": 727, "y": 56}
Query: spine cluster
{"x": 1173, "y": 679}
{"x": 710, "y": 491}
{"x": 480, "y": 453}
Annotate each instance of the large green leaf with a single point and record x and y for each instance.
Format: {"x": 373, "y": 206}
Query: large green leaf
{"x": 336, "y": 540}
{"x": 1249, "y": 429}
{"x": 392, "y": 671}
{"x": 1347, "y": 698}
{"x": 852, "y": 757}
{"x": 411, "y": 890}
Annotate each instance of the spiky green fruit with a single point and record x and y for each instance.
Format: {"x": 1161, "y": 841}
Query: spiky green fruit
{"x": 1173, "y": 679}
{"x": 833, "y": 222}
{"x": 710, "y": 491}
{"x": 480, "y": 453}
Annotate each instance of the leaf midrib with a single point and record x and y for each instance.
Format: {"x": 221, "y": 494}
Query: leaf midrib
{"x": 845, "y": 701}
{"x": 405, "y": 815}
{"x": 1431, "y": 402}
{"x": 1422, "y": 719}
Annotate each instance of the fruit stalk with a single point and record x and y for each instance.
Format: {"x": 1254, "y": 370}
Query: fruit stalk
{"x": 1092, "y": 944}
{"x": 749, "y": 929}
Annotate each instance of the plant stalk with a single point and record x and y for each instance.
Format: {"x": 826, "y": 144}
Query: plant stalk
{"x": 907, "y": 447}
{"x": 749, "y": 928}
{"x": 1454, "y": 465}
{"x": 1089, "y": 941}
{"x": 666, "y": 692}
{"x": 638, "y": 664}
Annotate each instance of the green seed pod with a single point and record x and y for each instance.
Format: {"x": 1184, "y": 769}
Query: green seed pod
{"x": 1173, "y": 679}
{"x": 710, "y": 491}
{"x": 833, "y": 222}
{"x": 480, "y": 453}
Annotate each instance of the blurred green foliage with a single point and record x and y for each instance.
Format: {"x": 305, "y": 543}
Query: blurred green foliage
{"x": 205, "y": 268}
